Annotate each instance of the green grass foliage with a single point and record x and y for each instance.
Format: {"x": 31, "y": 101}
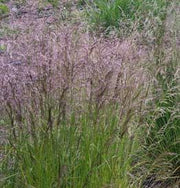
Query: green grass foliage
{"x": 4, "y": 10}
{"x": 78, "y": 153}
{"x": 105, "y": 14}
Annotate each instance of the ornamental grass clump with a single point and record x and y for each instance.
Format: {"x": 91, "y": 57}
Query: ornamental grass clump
{"x": 69, "y": 111}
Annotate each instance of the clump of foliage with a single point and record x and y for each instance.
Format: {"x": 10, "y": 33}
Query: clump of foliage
{"x": 108, "y": 13}
{"x": 81, "y": 2}
{"x": 54, "y": 3}
{"x": 2, "y": 48}
{"x": 105, "y": 14}
{"x": 4, "y": 10}
{"x": 4, "y": 1}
